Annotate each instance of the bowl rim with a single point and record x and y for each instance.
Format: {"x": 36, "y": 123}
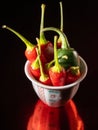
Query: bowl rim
{"x": 34, "y": 81}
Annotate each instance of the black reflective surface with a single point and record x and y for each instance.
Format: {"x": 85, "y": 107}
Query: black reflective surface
{"x": 18, "y": 101}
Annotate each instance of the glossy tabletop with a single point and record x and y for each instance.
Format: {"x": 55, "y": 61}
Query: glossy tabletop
{"x": 20, "y": 108}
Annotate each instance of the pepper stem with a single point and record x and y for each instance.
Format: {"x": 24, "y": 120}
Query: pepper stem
{"x": 65, "y": 43}
{"x": 61, "y": 13}
{"x": 28, "y": 44}
{"x": 48, "y": 65}
{"x": 43, "y": 77}
{"x": 35, "y": 63}
{"x": 57, "y": 67}
{"x": 61, "y": 22}
{"x": 42, "y": 36}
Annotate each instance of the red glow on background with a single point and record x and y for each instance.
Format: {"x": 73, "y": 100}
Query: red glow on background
{"x": 48, "y": 118}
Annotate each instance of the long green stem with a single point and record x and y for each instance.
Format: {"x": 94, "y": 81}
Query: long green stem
{"x": 39, "y": 53}
{"x": 61, "y": 14}
{"x": 43, "y": 76}
{"x": 57, "y": 67}
{"x": 61, "y": 21}
{"x": 28, "y": 44}
{"x": 42, "y": 36}
{"x": 65, "y": 43}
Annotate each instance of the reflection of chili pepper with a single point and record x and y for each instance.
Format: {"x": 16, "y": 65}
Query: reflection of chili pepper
{"x": 30, "y": 51}
{"x": 57, "y": 72}
{"x": 74, "y": 119}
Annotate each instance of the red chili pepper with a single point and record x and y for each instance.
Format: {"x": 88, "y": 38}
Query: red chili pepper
{"x": 57, "y": 72}
{"x": 31, "y": 54}
{"x": 46, "y": 46}
{"x": 35, "y": 69}
{"x": 58, "y": 78}
{"x": 47, "y": 50}
{"x": 30, "y": 51}
{"x": 42, "y": 56}
{"x": 35, "y": 72}
{"x": 43, "y": 59}
{"x": 73, "y": 73}
{"x": 44, "y": 78}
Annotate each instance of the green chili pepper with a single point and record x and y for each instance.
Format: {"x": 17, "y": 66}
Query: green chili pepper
{"x": 67, "y": 56}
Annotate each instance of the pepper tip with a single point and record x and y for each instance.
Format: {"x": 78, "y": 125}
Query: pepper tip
{"x": 4, "y": 26}
{"x": 43, "y": 5}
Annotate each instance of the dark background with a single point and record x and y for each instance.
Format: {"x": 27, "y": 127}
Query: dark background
{"x": 81, "y": 27}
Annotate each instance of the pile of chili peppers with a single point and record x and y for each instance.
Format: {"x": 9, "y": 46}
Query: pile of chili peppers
{"x": 55, "y": 64}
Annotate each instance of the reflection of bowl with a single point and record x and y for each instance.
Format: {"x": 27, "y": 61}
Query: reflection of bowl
{"x": 56, "y": 96}
{"x": 61, "y": 118}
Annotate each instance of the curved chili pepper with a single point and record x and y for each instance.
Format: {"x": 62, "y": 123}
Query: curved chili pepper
{"x": 30, "y": 51}
{"x": 57, "y": 72}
